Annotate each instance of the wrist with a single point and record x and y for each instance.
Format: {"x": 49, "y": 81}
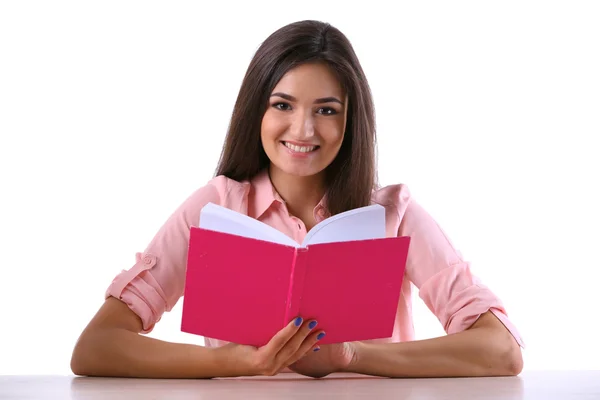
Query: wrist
{"x": 222, "y": 359}
{"x": 356, "y": 355}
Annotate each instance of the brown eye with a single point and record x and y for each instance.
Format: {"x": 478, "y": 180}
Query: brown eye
{"x": 327, "y": 111}
{"x": 282, "y": 106}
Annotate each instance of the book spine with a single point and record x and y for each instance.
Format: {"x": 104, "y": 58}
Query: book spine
{"x": 299, "y": 267}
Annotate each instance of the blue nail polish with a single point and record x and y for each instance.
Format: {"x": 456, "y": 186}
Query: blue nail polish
{"x": 317, "y": 349}
{"x": 312, "y": 324}
{"x": 298, "y": 321}
{"x": 320, "y": 335}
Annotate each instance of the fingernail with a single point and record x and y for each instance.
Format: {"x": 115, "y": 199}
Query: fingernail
{"x": 312, "y": 324}
{"x": 320, "y": 335}
{"x": 317, "y": 349}
{"x": 298, "y": 321}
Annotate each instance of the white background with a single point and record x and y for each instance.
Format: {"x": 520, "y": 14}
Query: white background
{"x": 112, "y": 113}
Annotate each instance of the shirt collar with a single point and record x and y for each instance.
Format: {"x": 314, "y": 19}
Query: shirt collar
{"x": 263, "y": 195}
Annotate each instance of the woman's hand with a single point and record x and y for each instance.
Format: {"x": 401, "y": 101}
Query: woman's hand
{"x": 329, "y": 359}
{"x": 289, "y": 345}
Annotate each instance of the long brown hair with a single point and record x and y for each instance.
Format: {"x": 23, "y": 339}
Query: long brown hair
{"x": 351, "y": 177}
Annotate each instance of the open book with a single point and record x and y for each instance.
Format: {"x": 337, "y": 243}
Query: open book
{"x": 246, "y": 280}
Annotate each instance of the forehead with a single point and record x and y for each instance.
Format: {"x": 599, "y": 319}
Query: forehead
{"x": 312, "y": 80}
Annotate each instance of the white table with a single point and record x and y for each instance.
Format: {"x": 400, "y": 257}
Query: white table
{"x": 542, "y": 385}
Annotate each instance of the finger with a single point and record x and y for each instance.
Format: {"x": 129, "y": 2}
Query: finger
{"x": 282, "y": 337}
{"x": 296, "y": 342}
{"x": 299, "y": 357}
{"x": 293, "y": 362}
{"x": 299, "y": 341}
{"x": 308, "y": 346}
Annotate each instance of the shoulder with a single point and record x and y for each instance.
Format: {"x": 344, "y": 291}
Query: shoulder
{"x": 397, "y": 200}
{"x": 219, "y": 190}
{"x": 222, "y": 186}
{"x": 408, "y": 217}
{"x": 396, "y": 197}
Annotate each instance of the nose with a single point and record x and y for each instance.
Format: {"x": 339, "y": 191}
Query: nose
{"x": 303, "y": 125}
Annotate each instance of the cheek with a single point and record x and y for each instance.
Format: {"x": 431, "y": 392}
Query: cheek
{"x": 271, "y": 127}
{"x": 332, "y": 132}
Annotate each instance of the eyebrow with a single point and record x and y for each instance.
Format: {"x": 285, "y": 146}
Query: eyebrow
{"x": 317, "y": 101}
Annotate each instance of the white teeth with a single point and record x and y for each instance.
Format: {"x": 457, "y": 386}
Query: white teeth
{"x": 299, "y": 149}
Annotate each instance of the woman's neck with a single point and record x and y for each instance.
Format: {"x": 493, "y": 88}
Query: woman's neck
{"x": 300, "y": 193}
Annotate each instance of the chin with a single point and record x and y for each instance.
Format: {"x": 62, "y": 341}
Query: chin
{"x": 300, "y": 172}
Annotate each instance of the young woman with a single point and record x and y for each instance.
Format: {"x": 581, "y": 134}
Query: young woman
{"x": 300, "y": 148}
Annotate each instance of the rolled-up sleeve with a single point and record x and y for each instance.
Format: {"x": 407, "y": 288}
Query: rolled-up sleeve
{"x": 443, "y": 277}
{"x": 156, "y": 280}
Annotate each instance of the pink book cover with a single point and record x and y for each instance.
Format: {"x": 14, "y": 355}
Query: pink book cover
{"x": 244, "y": 290}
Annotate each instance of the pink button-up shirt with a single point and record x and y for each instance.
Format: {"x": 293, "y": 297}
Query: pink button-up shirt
{"x": 445, "y": 283}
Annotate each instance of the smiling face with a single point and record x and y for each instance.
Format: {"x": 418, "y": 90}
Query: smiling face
{"x": 303, "y": 127}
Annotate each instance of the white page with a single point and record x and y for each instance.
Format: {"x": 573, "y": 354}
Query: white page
{"x": 358, "y": 224}
{"x": 222, "y": 219}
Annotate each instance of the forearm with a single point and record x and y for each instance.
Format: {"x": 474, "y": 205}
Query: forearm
{"x": 474, "y": 352}
{"x": 122, "y": 353}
